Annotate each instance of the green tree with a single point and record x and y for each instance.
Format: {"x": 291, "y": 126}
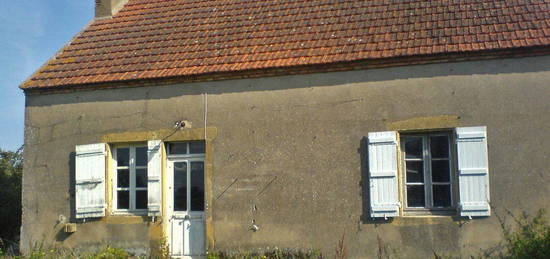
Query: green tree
{"x": 11, "y": 170}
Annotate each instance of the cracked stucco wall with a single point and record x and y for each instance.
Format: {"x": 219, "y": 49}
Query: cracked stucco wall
{"x": 290, "y": 151}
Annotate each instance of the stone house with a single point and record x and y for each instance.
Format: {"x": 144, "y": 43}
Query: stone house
{"x": 404, "y": 126}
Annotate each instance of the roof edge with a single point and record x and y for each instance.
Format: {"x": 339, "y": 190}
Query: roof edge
{"x": 297, "y": 70}
{"x": 59, "y": 52}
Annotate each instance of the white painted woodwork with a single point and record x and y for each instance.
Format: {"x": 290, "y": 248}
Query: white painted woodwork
{"x": 188, "y": 228}
{"x": 90, "y": 180}
{"x": 473, "y": 171}
{"x": 384, "y": 198}
{"x": 154, "y": 170}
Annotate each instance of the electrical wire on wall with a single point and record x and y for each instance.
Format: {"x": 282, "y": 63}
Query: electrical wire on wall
{"x": 205, "y": 113}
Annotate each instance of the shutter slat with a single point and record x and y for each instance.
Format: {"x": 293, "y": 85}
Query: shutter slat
{"x": 154, "y": 169}
{"x": 383, "y": 174}
{"x": 473, "y": 171}
{"x": 90, "y": 181}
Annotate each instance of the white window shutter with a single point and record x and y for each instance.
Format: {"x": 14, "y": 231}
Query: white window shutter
{"x": 154, "y": 169}
{"x": 473, "y": 171}
{"x": 90, "y": 180}
{"x": 384, "y": 198}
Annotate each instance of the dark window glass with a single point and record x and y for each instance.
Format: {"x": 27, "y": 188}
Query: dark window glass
{"x": 141, "y": 156}
{"x": 415, "y": 171}
{"x": 440, "y": 171}
{"x": 413, "y": 147}
{"x": 123, "y": 178}
{"x": 177, "y": 148}
{"x": 442, "y": 196}
{"x": 197, "y": 186}
{"x": 180, "y": 186}
{"x": 196, "y": 147}
{"x": 123, "y": 199}
{"x": 415, "y": 196}
{"x": 141, "y": 177}
{"x": 123, "y": 156}
{"x": 141, "y": 199}
{"x": 439, "y": 146}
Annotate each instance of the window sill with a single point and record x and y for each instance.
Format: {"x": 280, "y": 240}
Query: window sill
{"x": 429, "y": 212}
{"x": 423, "y": 220}
{"x": 126, "y": 219}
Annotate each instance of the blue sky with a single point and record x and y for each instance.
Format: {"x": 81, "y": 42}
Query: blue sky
{"x": 31, "y": 32}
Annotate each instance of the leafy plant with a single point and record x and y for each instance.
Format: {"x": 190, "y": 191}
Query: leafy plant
{"x": 111, "y": 253}
{"x": 271, "y": 254}
{"x": 162, "y": 250}
{"x": 530, "y": 239}
{"x": 11, "y": 170}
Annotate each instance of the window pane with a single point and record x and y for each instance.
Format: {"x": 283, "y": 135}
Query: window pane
{"x": 123, "y": 199}
{"x": 442, "y": 196}
{"x": 197, "y": 186}
{"x": 122, "y": 156}
{"x": 415, "y": 196}
{"x": 123, "y": 178}
{"x": 141, "y": 156}
{"x": 141, "y": 177}
{"x": 177, "y": 148}
{"x": 196, "y": 147}
{"x": 413, "y": 147}
{"x": 415, "y": 171}
{"x": 440, "y": 171}
{"x": 180, "y": 186}
{"x": 439, "y": 146}
{"x": 141, "y": 199}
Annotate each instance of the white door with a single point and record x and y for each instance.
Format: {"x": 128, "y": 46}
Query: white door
{"x": 186, "y": 207}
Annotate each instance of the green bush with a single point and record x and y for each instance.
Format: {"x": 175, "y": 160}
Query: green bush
{"x": 11, "y": 170}
{"x": 530, "y": 239}
{"x": 110, "y": 253}
{"x": 272, "y": 254}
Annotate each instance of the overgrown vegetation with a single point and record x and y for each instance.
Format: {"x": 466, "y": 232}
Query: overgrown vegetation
{"x": 42, "y": 253}
{"x": 11, "y": 170}
{"x": 272, "y": 254}
{"x": 529, "y": 239}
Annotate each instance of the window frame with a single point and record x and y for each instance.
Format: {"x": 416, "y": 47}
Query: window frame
{"x": 428, "y": 209}
{"x": 187, "y": 158}
{"x": 132, "y": 167}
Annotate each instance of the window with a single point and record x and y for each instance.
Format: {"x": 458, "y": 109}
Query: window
{"x": 135, "y": 176}
{"x": 427, "y": 171}
{"x": 441, "y": 172}
{"x": 186, "y": 148}
{"x": 130, "y": 181}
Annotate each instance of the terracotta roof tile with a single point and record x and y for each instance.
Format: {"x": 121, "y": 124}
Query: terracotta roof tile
{"x": 151, "y": 39}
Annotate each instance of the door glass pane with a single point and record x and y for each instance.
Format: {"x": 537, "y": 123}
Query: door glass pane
{"x": 442, "y": 196}
{"x": 180, "y": 186}
{"x": 123, "y": 178}
{"x": 177, "y": 148}
{"x": 141, "y": 156}
{"x": 141, "y": 177}
{"x": 439, "y": 146}
{"x": 122, "y": 156}
{"x": 197, "y": 186}
{"x": 415, "y": 196}
{"x": 141, "y": 199}
{"x": 413, "y": 147}
{"x": 196, "y": 147}
{"x": 440, "y": 171}
{"x": 123, "y": 199}
{"x": 415, "y": 171}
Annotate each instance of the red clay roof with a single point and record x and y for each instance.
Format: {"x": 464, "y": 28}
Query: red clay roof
{"x": 151, "y": 39}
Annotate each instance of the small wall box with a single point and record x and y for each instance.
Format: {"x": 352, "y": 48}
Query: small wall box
{"x": 70, "y": 228}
